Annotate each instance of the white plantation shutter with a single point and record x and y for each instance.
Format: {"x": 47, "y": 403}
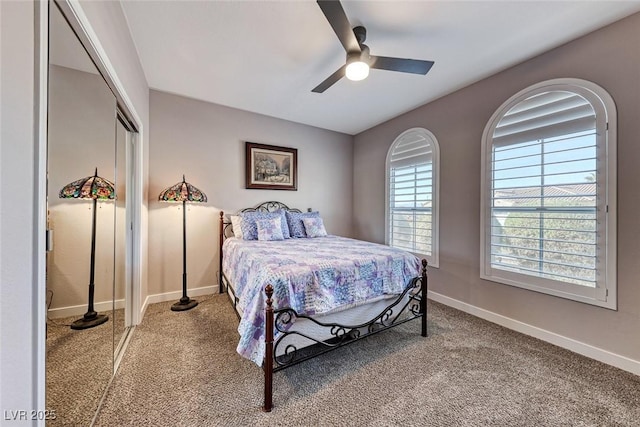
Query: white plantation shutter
{"x": 545, "y": 115}
{"x": 411, "y": 189}
{"x": 411, "y": 151}
{"x": 545, "y": 194}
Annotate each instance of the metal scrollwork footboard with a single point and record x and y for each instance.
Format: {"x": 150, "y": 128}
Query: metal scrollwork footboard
{"x": 400, "y": 311}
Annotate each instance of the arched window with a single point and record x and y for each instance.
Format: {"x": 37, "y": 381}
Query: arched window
{"x": 412, "y": 194}
{"x": 549, "y": 192}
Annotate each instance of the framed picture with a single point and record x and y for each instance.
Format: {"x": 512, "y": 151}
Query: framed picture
{"x": 271, "y": 168}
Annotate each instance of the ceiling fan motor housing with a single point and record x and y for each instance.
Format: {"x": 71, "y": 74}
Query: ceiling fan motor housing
{"x": 360, "y": 33}
{"x": 363, "y": 55}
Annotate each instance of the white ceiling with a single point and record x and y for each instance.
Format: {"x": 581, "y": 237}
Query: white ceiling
{"x": 266, "y": 56}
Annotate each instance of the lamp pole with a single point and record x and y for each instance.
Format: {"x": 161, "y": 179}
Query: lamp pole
{"x": 90, "y": 311}
{"x": 91, "y": 318}
{"x": 184, "y": 298}
{"x": 185, "y": 302}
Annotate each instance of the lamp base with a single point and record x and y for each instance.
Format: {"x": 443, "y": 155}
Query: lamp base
{"x": 185, "y": 303}
{"x": 89, "y": 321}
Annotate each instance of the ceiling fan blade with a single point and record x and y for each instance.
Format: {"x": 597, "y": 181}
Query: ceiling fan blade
{"x": 334, "y": 13}
{"x": 329, "y": 81}
{"x": 414, "y": 66}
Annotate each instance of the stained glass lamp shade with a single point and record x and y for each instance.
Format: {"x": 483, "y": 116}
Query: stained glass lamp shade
{"x": 90, "y": 188}
{"x": 183, "y": 192}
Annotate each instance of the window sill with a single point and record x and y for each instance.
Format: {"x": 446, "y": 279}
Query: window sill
{"x": 588, "y": 296}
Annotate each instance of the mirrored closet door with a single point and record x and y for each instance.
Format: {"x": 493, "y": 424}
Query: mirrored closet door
{"x": 89, "y": 152}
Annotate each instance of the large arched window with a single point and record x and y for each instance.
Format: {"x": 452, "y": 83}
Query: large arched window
{"x": 549, "y": 192}
{"x": 412, "y": 194}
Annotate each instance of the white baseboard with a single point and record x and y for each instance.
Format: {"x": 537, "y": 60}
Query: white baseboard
{"x": 587, "y": 350}
{"x": 78, "y": 310}
{"x": 176, "y": 295}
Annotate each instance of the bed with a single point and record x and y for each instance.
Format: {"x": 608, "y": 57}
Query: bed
{"x": 300, "y": 294}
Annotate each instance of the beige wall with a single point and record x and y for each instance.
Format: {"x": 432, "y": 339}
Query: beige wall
{"x": 610, "y": 58}
{"x": 206, "y": 142}
{"x": 82, "y": 136}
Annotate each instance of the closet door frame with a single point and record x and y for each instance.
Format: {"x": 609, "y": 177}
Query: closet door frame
{"x": 80, "y": 24}
{"x": 120, "y": 343}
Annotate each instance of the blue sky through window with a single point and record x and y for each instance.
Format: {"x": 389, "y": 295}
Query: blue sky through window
{"x": 564, "y": 160}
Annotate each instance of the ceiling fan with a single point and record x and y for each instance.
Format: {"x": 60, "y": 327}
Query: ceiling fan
{"x": 358, "y": 58}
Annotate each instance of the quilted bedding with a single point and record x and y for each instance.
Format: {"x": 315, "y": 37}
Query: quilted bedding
{"x": 312, "y": 276}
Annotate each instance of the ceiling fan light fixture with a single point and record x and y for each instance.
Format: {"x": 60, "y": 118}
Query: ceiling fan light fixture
{"x": 357, "y": 70}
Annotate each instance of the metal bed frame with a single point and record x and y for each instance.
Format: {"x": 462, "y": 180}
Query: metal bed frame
{"x": 279, "y": 319}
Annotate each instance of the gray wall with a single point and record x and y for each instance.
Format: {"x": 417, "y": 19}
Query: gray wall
{"x": 206, "y": 142}
{"x": 610, "y": 58}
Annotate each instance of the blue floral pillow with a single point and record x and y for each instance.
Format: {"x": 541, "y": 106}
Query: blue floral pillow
{"x": 285, "y": 226}
{"x": 314, "y": 227}
{"x": 250, "y": 229}
{"x": 270, "y": 229}
{"x": 294, "y": 219}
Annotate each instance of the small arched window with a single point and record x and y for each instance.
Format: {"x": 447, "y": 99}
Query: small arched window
{"x": 549, "y": 192}
{"x": 412, "y": 194}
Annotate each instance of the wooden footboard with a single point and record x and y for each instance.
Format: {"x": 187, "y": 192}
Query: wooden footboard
{"x": 415, "y": 307}
{"x": 268, "y": 349}
{"x": 222, "y": 237}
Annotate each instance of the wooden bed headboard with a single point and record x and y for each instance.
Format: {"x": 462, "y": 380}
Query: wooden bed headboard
{"x": 225, "y": 225}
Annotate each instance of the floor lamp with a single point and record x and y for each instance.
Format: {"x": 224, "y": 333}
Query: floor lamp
{"x": 183, "y": 192}
{"x": 90, "y": 188}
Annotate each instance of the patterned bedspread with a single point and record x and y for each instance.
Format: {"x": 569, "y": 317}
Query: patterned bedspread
{"x": 312, "y": 276}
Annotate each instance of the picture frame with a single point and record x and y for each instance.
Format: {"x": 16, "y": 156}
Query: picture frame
{"x": 269, "y": 167}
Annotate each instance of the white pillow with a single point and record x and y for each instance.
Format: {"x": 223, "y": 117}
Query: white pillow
{"x": 236, "y": 225}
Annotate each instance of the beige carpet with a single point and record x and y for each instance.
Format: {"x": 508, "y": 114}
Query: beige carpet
{"x": 181, "y": 369}
{"x": 79, "y": 365}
